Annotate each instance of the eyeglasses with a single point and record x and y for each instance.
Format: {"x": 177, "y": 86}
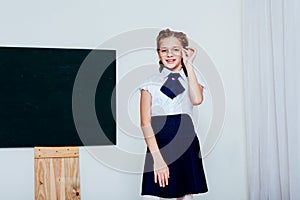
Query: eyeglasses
{"x": 174, "y": 51}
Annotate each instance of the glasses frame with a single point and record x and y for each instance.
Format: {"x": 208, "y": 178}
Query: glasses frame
{"x": 174, "y": 51}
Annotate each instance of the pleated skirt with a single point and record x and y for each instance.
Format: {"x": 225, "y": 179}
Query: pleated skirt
{"x": 180, "y": 148}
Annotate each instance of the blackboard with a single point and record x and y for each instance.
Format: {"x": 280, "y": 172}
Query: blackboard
{"x": 36, "y": 86}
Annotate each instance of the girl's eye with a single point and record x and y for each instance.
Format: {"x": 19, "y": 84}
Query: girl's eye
{"x": 163, "y": 50}
{"x": 176, "y": 49}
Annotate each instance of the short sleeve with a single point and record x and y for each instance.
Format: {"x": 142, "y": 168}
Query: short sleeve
{"x": 201, "y": 82}
{"x": 200, "y": 79}
{"x": 146, "y": 85}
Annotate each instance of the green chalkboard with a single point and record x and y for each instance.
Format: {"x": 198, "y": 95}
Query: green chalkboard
{"x": 36, "y": 88}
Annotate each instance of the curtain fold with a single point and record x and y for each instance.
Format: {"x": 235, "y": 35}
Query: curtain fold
{"x": 271, "y": 60}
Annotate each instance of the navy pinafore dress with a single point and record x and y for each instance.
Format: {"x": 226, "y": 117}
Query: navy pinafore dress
{"x": 180, "y": 148}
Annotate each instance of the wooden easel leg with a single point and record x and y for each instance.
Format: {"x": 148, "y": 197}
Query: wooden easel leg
{"x": 56, "y": 173}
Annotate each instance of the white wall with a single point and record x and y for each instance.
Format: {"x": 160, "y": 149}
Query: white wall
{"x": 214, "y": 24}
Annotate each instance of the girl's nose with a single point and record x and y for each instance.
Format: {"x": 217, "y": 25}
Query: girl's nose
{"x": 170, "y": 52}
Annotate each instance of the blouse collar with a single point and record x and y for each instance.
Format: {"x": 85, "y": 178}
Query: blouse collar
{"x": 165, "y": 72}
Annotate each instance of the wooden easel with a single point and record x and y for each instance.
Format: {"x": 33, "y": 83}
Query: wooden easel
{"x": 56, "y": 173}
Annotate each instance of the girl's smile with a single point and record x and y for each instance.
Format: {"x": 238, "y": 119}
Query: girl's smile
{"x": 170, "y": 61}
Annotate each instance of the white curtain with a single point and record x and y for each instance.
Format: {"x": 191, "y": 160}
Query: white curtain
{"x": 271, "y": 54}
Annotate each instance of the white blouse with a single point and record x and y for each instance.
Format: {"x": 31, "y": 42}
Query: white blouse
{"x": 162, "y": 104}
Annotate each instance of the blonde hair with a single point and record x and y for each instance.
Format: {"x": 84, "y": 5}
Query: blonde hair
{"x": 169, "y": 33}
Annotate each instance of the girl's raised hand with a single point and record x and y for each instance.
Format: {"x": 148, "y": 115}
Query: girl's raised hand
{"x": 188, "y": 55}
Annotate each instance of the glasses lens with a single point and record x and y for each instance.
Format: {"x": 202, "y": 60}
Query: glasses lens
{"x": 174, "y": 51}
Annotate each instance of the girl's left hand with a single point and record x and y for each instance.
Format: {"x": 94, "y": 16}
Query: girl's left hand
{"x": 188, "y": 55}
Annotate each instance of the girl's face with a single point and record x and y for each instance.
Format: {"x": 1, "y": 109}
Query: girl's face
{"x": 170, "y": 53}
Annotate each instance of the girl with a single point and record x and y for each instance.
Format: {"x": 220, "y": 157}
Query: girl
{"x": 173, "y": 165}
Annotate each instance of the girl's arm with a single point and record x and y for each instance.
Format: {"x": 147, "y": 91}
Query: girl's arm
{"x": 195, "y": 89}
{"x": 161, "y": 170}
